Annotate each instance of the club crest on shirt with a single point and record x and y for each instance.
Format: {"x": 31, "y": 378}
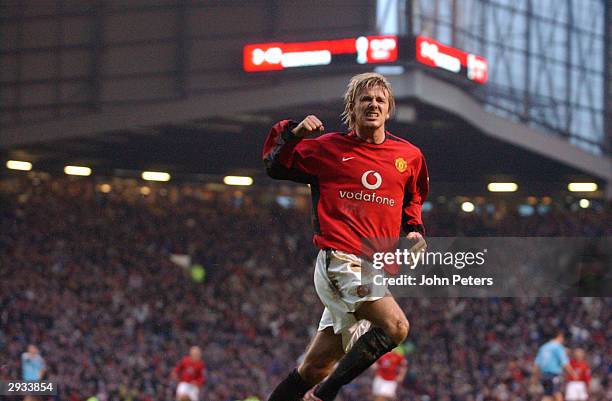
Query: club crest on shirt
{"x": 401, "y": 164}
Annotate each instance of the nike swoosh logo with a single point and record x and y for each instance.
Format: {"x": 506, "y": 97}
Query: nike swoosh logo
{"x": 347, "y": 158}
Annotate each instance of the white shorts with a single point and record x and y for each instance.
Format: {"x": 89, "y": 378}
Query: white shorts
{"x": 337, "y": 279}
{"x": 384, "y": 388}
{"x": 187, "y": 389}
{"x": 576, "y": 391}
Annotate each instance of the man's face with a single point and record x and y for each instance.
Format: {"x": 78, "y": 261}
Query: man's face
{"x": 195, "y": 353}
{"x": 371, "y": 108}
{"x": 579, "y": 354}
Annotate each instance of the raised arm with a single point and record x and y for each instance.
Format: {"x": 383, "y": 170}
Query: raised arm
{"x": 287, "y": 155}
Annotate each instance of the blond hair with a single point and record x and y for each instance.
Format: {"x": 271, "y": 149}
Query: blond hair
{"x": 367, "y": 80}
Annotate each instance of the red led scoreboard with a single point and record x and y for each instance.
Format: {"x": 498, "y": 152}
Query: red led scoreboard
{"x": 437, "y": 55}
{"x": 278, "y": 56}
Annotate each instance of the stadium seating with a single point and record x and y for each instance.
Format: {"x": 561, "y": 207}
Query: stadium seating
{"x": 87, "y": 276}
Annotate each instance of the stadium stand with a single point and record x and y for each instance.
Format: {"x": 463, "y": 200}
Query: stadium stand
{"x": 87, "y": 276}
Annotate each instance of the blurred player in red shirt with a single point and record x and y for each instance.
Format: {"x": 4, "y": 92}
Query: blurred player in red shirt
{"x": 391, "y": 369}
{"x": 578, "y": 385}
{"x": 190, "y": 374}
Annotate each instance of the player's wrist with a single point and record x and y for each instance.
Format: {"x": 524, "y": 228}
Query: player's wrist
{"x": 291, "y": 132}
{"x": 411, "y": 228}
{"x": 296, "y": 133}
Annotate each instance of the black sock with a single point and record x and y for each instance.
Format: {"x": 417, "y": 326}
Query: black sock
{"x": 368, "y": 348}
{"x": 292, "y": 388}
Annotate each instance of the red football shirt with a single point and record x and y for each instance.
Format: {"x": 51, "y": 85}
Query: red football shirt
{"x": 389, "y": 365}
{"x": 359, "y": 190}
{"x": 582, "y": 370}
{"x": 190, "y": 371}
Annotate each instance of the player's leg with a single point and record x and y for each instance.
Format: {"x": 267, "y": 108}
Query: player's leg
{"x": 557, "y": 392}
{"x": 548, "y": 393}
{"x": 548, "y": 387}
{"x": 570, "y": 391}
{"x": 390, "y": 328}
{"x": 376, "y": 391}
{"x": 181, "y": 395}
{"x": 194, "y": 393}
{"x": 321, "y": 356}
{"x": 386, "y": 314}
{"x": 383, "y": 390}
{"x": 182, "y": 392}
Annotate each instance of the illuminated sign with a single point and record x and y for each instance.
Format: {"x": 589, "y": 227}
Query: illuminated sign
{"x": 435, "y": 54}
{"x": 280, "y": 55}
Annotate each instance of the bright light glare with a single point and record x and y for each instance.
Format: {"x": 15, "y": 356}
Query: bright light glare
{"x": 77, "y": 170}
{"x": 467, "y": 207}
{"x": 155, "y": 176}
{"x": 502, "y": 187}
{"x": 584, "y": 203}
{"x": 237, "y": 180}
{"x": 19, "y": 165}
{"x": 582, "y": 187}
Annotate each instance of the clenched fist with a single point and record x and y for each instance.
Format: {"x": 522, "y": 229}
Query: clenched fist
{"x": 310, "y": 125}
{"x": 417, "y": 241}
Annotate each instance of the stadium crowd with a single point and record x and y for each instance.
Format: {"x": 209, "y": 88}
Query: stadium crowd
{"x": 87, "y": 276}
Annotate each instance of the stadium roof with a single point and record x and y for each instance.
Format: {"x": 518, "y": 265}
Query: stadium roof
{"x": 221, "y": 133}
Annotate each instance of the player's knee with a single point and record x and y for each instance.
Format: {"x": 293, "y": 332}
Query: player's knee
{"x": 315, "y": 372}
{"x": 397, "y": 329}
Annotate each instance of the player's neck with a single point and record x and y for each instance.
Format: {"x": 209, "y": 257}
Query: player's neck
{"x": 375, "y": 136}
